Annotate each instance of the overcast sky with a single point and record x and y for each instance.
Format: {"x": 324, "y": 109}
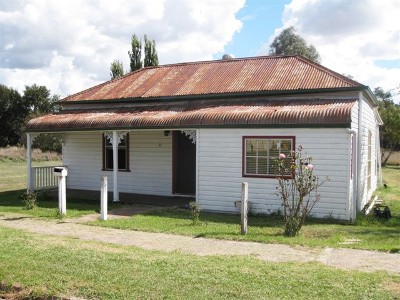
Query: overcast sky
{"x": 68, "y": 45}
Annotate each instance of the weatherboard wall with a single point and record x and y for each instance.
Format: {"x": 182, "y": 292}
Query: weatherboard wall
{"x": 220, "y": 170}
{"x": 368, "y": 124}
{"x": 150, "y": 154}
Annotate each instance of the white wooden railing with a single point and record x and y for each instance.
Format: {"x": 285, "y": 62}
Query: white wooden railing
{"x": 43, "y": 178}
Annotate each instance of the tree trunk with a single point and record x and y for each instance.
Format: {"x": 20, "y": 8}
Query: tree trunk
{"x": 384, "y": 161}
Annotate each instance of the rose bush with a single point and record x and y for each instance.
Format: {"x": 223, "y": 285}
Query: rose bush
{"x": 297, "y": 188}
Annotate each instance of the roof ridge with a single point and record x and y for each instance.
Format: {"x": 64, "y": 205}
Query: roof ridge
{"x": 202, "y": 62}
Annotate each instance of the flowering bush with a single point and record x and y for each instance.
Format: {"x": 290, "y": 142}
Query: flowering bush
{"x": 297, "y": 188}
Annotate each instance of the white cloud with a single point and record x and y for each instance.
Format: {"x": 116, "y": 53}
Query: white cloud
{"x": 68, "y": 45}
{"x": 352, "y": 36}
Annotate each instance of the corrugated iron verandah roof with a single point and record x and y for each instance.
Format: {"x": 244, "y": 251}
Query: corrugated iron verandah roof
{"x": 320, "y": 112}
{"x": 243, "y": 75}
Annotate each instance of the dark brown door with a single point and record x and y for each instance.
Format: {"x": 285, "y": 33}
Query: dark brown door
{"x": 184, "y": 164}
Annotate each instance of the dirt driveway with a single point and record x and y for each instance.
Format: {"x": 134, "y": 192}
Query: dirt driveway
{"x": 350, "y": 259}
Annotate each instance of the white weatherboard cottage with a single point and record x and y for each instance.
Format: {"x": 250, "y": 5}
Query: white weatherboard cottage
{"x": 200, "y": 129}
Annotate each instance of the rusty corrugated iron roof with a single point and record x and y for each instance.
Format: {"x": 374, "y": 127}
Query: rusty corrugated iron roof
{"x": 245, "y": 75}
{"x": 300, "y": 112}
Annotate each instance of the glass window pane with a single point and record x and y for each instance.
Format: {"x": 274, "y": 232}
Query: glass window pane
{"x": 122, "y": 159}
{"x": 286, "y": 146}
{"x": 262, "y": 166}
{"x": 109, "y": 158}
{"x": 262, "y": 147}
{"x": 251, "y": 163}
{"x": 250, "y": 147}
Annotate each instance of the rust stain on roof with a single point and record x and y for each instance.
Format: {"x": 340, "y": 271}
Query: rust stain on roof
{"x": 202, "y": 113}
{"x": 257, "y": 74}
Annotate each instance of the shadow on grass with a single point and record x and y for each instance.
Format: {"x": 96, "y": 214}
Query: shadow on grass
{"x": 12, "y": 199}
{"x": 393, "y": 167}
{"x": 16, "y": 219}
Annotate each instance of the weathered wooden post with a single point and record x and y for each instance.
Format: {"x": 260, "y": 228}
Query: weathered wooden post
{"x": 243, "y": 207}
{"x": 103, "y": 198}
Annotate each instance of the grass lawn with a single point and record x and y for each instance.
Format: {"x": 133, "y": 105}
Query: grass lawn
{"x": 47, "y": 208}
{"x": 13, "y": 174}
{"x": 46, "y": 266}
{"x": 56, "y": 266}
{"x": 13, "y": 184}
{"x": 368, "y": 232}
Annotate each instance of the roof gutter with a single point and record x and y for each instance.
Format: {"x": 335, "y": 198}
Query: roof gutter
{"x": 179, "y": 127}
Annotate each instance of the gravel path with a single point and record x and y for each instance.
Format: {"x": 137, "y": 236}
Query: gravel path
{"x": 349, "y": 259}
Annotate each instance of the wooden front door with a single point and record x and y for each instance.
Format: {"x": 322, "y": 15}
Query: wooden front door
{"x": 184, "y": 164}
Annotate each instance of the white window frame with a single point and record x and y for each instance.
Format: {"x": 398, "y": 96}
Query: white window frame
{"x": 278, "y": 140}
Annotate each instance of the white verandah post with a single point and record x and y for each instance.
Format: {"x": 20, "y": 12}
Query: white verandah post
{"x": 29, "y": 183}
{"x": 115, "y": 166}
{"x": 103, "y": 198}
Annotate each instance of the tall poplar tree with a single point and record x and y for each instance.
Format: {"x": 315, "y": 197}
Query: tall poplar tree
{"x": 135, "y": 55}
{"x": 150, "y": 52}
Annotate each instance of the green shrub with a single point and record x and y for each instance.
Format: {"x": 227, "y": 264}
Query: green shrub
{"x": 29, "y": 199}
{"x": 194, "y": 212}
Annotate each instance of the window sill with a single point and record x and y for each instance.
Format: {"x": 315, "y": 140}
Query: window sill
{"x": 111, "y": 170}
{"x": 266, "y": 176}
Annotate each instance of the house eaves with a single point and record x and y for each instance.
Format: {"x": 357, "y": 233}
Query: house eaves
{"x": 200, "y": 114}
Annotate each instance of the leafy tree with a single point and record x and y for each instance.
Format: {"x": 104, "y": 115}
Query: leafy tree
{"x": 117, "y": 69}
{"x": 390, "y": 131}
{"x": 13, "y": 113}
{"x": 48, "y": 142}
{"x": 290, "y": 43}
{"x": 38, "y": 100}
{"x": 150, "y": 53}
{"x": 136, "y": 54}
{"x": 16, "y": 110}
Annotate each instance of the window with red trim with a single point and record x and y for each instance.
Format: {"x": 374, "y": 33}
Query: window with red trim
{"x": 261, "y": 153}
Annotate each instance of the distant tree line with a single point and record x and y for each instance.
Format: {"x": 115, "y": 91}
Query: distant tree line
{"x": 390, "y": 130}
{"x": 17, "y": 109}
{"x": 135, "y": 57}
